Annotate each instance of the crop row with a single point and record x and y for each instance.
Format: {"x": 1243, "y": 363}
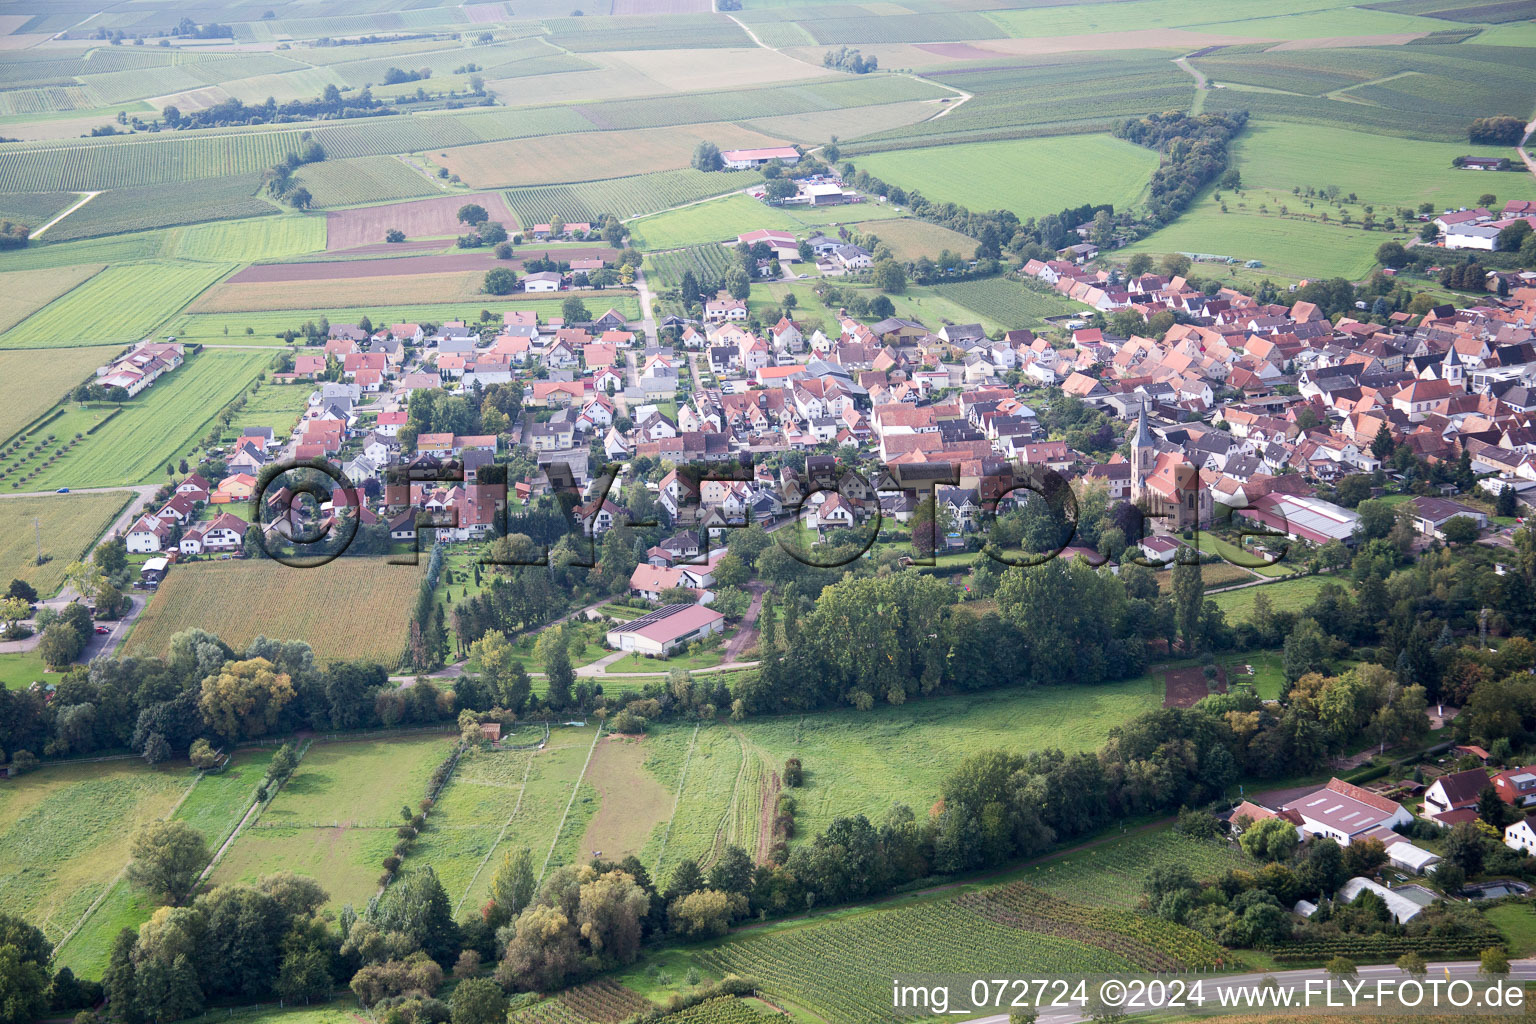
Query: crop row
{"x": 720, "y": 1010}
{"x": 1007, "y": 302}
{"x": 623, "y": 197}
{"x": 1145, "y": 941}
{"x": 742, "y": 104}
{"x": 842, "y": 969}
{"x": 1111, "y": 875}
{"x": 708, "y": 263}
{"x": 1386, "y": 947}
{"x": 368, "y": 179}
{"x": 606, "y": 1001}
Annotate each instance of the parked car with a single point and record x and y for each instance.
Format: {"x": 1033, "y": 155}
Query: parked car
{"x": 103, "y": 630}
{"x": 62, "y": 490}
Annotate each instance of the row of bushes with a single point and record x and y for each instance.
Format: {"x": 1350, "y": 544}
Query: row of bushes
{"x": 405, "y": 835}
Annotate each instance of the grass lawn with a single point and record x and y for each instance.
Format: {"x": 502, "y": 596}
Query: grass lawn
{"x": 1287, "y": 595}
{"x": 1381, "y": 169}
{"x": 68, "y": 526}
{"x": 1518, "y": 923}
{"x": 862, "y": 762}
{"x": 1286, "y": 246}
{"x": 639, "y": 663}
{"x": 335, "y": 819}
{"x": 1031, "y": 177}
{"x": 19, "y": 671}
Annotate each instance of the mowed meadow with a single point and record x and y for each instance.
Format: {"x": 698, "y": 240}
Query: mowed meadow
{"x": 347, "y": 609}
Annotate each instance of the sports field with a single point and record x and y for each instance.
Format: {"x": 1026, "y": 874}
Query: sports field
{"x": 65, "y": 525}
{"x": 348, "y": 608}
{"x": 1031, "y": 177}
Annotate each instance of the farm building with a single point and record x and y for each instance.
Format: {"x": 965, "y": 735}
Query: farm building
{"x": 659, "y": 633}
{"x": 751, "y": 159}
{"x": 1344, "y": 813}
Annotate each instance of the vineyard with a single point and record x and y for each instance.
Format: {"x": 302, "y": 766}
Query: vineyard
{"x": 1382, "y": 948}
{"x": 842, "y": 970}
{"x": 720, "y": 1010}
{"x": 1110, "y": 874}
{"x": 368, "y": 179}
{"x": 626, "y": 197}
{"x": 597, "y": 1002}
{"x": 708, "y": 263}
{"x": 645, "y": 32}
{"x": 144, "y": 207}
{"x": 1006, "y": 301}
{"x": 1147, "y": 942}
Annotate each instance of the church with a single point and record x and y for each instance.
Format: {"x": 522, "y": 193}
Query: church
{"x": 1165, "y": 483}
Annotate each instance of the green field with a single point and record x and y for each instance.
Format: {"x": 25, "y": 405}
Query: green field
{"x": 68, "y": 526}
{"x": 65, "y": 833}
{"x": 120, "y": 304}
{"x": 31, "y": 384}
{"x": 864, "y": 762}
{"x": 1006, "y": 301}
{"x": 214, "y": 807}
{"x": 145, "y": 207}
{"x": 623, "y": 197}
{"x": 1031, "y": 177}
{"x": 159, "y": 424}
{"x": 369, "y": 179}
{"x": 716, "y": 221}
{"x": 1286, "y": 595}
{"x": 19, "y": 671}
{"x": 335, "y": 819}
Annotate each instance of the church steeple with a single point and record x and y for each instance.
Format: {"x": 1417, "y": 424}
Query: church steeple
{"x": 1143, "y": 454}
{"x": 1143, "y": 438}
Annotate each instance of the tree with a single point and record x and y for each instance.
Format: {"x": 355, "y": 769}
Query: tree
{"x": 417, "y": 906}
{"x": 1494, "y": 962}
{"x": 473, "y": 214}
{"x": 12, "y": 611}
{"x": 60, "y": 645}
{"x": 1464, "y": 847}
{"x": 202, "y": 755}
{"x": 1460, "y": 530}
{"x": 1174, "y": 265}
{"x": 1413, "y": 965}
{"x": 23, "y": 590}
{"x": 478, "y": 1001}
{"x": 780, "y": 189}
{"x": 889, "y": 277}
{"x": 707, "y": 157}
{"x": 513, "y": 884}
{"x": 394, "y": 235}
{"x": 499, "y": 281}
{"x": 23, "y": 986}
{"x": 701, "y": 914}
{"x": 575, "y": 311}
{"x": 737, "y": 283}
{"x": 1270, "y": 839}
{"x": 168, "y": 857}
{"x": 1392, "y": 254}
{"x": 1341, "y": 967}
{"x": 1188, "y": 601}
{"x": 245, "y": 698}
{"x": 559, "y": 675}
{"x": 1505, "y": 504}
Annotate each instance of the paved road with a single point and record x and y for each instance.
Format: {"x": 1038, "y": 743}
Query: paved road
{"x": 1214, "y": 985}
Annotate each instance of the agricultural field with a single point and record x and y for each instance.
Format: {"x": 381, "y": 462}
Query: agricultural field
{"x": 910, "y": 239}
{"x": 595, "y": 155}
{"x": 131, "y": 444}
{"x": 1007, "y": 301}
{"x": 715, "y": 221}
{"x": 502, "y": 801}
{"x": 348, "y": 608}
{"x": 65, "y": 832}
{"x": 1024, "y": 176}
{"x": 35, "y": 209}
{"x": 27, "y": 389}
{"x": 145, "y": 207}
{"x": 626, "y": 197}
{"x": 368, "y": 179}
{"x": 214, "y": 808}
{"x": 120, "y": 304}
{"x": 461, "y": 286}
{"x": 69, "y": 525}
{"x": 335, "y": 818}
{"x": 708, "y": 262}
{"x": 423, "y": 218}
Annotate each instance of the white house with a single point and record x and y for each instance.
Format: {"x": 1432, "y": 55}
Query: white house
{"x": 1521, "y": 836}
{"x": 544, "y": 281}
{"x": 658, "y": 633}
{"x": 148, "y": 535}
{"x": 1345, "y": 812}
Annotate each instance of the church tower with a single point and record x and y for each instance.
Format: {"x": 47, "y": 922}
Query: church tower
{"x": 1452, "y": 368}
{"x": 1143, "y": 455}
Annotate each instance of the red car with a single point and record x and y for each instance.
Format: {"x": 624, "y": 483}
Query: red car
{"x": 103, "y": 630}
